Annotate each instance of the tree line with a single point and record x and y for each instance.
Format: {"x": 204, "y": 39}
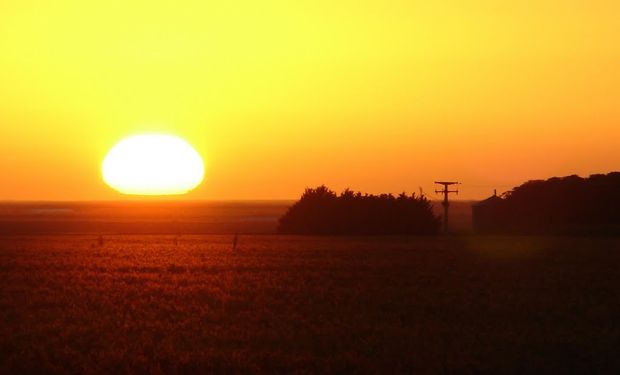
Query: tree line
{"x": 569, "y": 204}
{"x": 323, "y": 211}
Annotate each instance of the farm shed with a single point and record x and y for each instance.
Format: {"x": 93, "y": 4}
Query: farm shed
{"x": 487, "y": 214}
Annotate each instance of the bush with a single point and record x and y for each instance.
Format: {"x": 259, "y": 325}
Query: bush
{"x": 322, "y": 211}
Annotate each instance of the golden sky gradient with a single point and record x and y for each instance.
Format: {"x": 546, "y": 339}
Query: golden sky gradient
{"x": 380, "y": 96}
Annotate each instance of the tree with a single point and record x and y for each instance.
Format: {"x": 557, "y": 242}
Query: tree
{"x": 322, "y": 211}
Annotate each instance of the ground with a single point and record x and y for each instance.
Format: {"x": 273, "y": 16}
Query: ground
{"x": 166, "y": 304}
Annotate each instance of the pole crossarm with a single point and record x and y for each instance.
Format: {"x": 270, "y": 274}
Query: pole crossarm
{"x": 446, "y": 191}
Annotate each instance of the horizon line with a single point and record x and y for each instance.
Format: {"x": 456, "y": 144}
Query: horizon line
{"x": 165, "y": 200}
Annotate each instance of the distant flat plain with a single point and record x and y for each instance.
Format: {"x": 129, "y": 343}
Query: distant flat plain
{"x": 141, "y": 217}
{"x": 164, "y": 217}
{"x": 189, "y": 304}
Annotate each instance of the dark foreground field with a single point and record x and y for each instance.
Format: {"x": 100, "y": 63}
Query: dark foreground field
{"x": 281, "y": 304}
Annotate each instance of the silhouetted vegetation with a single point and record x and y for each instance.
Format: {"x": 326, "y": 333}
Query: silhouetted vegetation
{"x": 312, "y": 305}
{"x": 322, "y": 211}
{"x": 569, "y": 204}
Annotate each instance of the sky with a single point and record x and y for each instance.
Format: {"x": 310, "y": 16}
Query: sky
{"x": 378, "y": 96}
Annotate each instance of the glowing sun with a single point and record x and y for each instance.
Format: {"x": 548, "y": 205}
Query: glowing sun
{"x": 153, "y": 164}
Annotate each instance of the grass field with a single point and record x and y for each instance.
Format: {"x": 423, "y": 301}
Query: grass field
{"x": 296, "y": 304}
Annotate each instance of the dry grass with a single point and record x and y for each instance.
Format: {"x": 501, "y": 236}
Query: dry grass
{"x": 292, "y": 304}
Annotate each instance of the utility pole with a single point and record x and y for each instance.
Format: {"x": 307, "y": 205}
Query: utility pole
{"x": 446, "y": 190}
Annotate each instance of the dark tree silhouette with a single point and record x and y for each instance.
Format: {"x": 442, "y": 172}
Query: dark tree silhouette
{"x": 322, "y": 211}
{"x": 569, "y": 204}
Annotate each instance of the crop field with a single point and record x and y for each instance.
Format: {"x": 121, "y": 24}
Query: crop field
{"x": 190, "y": 304}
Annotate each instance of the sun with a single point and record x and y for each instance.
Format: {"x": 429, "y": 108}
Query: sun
{"x": 153, "y": 164}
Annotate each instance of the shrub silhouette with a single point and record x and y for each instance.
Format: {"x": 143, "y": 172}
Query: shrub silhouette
{"x": 570, "y": 204}
{"x": 322, "y": 211}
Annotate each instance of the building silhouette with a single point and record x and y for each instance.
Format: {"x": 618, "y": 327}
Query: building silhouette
{"x": 487, "y": 215}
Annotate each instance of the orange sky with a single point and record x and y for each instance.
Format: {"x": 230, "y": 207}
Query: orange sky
{"x": 380, "y": 96}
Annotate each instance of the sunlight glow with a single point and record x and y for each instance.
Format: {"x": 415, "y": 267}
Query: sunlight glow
{"x": 153, "y": 164}
{"x": 378, "y": 96}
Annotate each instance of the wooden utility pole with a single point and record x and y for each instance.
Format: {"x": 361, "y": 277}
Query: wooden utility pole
{"x": 446, "y": 190}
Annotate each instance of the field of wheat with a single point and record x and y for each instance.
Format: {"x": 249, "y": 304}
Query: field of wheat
{"x": 189, "y": 304}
